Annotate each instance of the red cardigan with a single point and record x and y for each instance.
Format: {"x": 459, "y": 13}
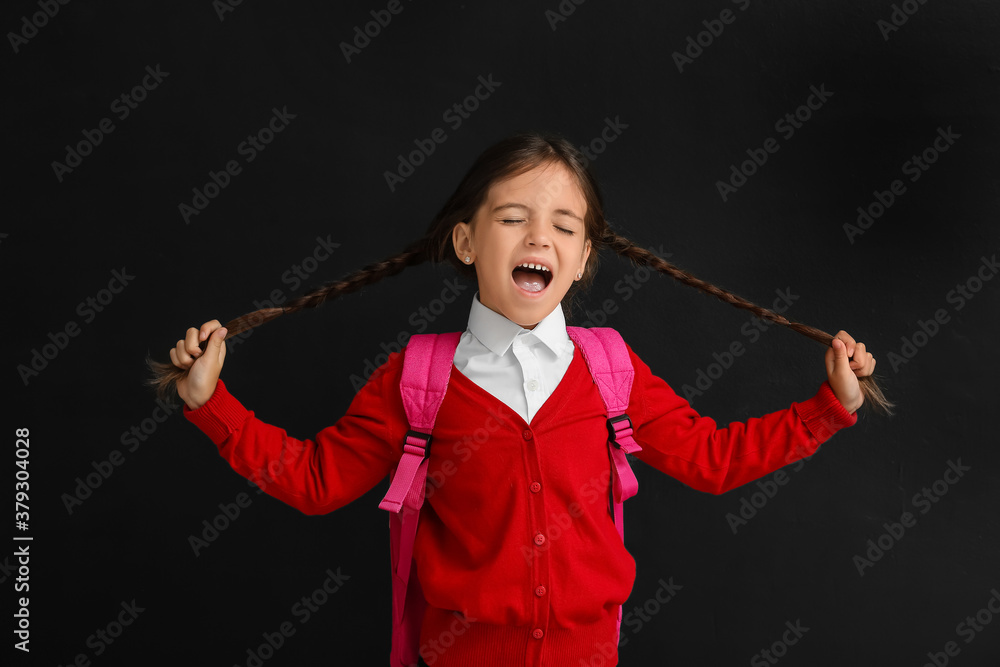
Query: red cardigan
{"x": 515, "y": 533}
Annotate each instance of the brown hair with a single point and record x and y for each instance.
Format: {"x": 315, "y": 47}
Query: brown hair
{"x": 505, "y": 159}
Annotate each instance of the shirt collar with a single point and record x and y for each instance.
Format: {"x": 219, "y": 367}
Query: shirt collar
{"x": 497, "y": 333}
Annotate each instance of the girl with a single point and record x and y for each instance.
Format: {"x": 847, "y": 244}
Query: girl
{"x": 526, "y": 223}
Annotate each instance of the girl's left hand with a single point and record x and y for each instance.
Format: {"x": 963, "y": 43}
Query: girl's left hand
{"x": 843, "y": 374}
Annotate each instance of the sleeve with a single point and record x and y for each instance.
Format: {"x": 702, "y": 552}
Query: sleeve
{"x": 317, "y": 475}
{"x": 683, "y": 444}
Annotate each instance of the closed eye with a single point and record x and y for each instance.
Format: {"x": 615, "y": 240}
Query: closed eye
{"x": 561, "y": 229}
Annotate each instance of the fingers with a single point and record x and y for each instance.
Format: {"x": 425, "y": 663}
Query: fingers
{"x": 862, "y": 361}
{"x": 848, "y": 340}
{"x": 174, "y": 360}
{"x": 860, "y": 357}
{"x": 188, "y": 349}
{"x": 216, "y": 345}
{"x": 191, "y": 342}
{"x": 836, "y": 355}
{"x": 195, "y": 337}
{"x": 207, "y": 328}
{"x": 181, "y": 353}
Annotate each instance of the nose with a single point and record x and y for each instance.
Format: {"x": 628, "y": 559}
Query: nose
{"x": 538, "y": 233}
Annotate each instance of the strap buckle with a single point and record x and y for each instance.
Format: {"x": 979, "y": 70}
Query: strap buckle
{"x": 416, "y": 447}
{"x": 616, "y": 424}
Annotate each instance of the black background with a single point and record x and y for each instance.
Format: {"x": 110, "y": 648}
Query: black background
{"x": 323, "y": 176}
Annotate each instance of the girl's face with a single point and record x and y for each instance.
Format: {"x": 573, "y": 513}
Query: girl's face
{"x": 536, "y": 218}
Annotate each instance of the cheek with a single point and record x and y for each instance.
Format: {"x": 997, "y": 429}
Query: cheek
{"x": 491, "y": 273}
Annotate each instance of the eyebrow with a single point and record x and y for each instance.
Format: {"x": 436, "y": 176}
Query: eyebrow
{"x": 558, "y": 211}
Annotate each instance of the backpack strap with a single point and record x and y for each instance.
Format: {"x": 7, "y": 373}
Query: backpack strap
{"x": 610, "y": 365}
{"x": 426, "y": 369}
{"x": 427, "y": 364}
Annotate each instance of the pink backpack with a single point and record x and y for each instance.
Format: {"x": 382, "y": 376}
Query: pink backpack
{"x": 426, "y": 369}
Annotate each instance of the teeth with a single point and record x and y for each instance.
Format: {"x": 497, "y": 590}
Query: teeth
{"x": 538, "y": 267}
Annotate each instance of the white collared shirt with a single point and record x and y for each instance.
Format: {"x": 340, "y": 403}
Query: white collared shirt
{"x": 521, "y": 367}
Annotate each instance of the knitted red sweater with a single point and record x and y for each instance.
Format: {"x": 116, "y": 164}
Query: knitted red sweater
{"x": 516, "y": 551}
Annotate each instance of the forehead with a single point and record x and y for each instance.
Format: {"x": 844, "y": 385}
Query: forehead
{"x": 547, "y": 186}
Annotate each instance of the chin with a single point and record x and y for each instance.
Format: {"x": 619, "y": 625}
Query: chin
{"x": 529, "y": 311}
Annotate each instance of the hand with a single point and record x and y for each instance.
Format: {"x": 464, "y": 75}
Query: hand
{"x": 843, "y": 374}
{"x": 198, "y": 384}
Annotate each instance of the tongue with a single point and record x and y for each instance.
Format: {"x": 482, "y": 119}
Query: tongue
{"x": 529, "y": 280}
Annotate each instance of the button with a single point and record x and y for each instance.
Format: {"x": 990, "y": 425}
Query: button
{"x": 535, "y": 487}
{"x": 527, "y": 435}
{"x": 540, "y": 591}
{"x": 539, "y": 539}
{"x": 533, "y": 385}
{"x": 537, "y": 633}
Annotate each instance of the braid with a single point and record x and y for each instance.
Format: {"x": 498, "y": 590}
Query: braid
{"x": 165, "y": 375}
{"x": 507, "y": 158}
{"x": 624, "y": 247}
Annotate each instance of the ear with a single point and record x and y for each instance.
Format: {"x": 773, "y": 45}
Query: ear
{"x": 586, "y": 255}
{"x": 461, "y": 238}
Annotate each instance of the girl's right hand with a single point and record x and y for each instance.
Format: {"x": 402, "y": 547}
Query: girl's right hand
{"x": 203, "y": 368}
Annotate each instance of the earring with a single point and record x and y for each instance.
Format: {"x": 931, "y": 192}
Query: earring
{"x": 467, "y": 259}
{"x": 579, "y": 275}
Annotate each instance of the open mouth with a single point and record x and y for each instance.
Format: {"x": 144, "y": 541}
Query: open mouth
{"x": 531, "y": 276}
